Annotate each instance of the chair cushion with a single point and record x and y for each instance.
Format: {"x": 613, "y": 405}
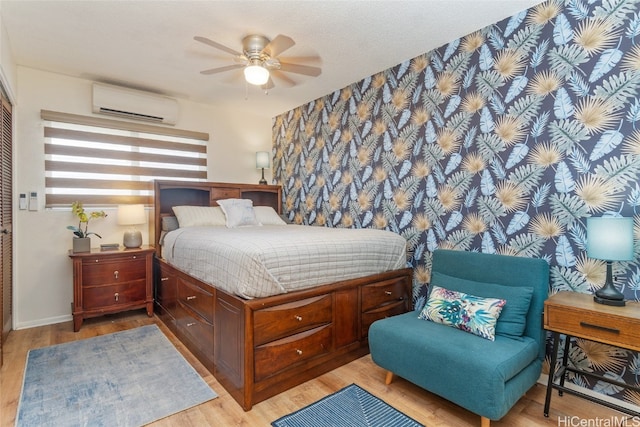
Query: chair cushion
{"x": 513, "y": 318}
{"x": 486, "y": 377}
{"x": 469, "y": 313}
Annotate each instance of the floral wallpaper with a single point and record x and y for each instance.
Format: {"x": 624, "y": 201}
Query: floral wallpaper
{"x": 503, "y": 141}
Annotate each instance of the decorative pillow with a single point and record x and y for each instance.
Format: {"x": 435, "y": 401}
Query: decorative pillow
{"x": 170, "y": 223}
{"x": 238, "y": 212}
{"x": 266, "y": 215}
{"x": 469, "y": 313}
{"x": 513, "y": 319}
{"x": 193, "y": 216}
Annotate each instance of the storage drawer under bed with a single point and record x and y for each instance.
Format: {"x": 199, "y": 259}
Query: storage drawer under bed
{"x": 287, "y": 319}
{"x": 281, "y": 354}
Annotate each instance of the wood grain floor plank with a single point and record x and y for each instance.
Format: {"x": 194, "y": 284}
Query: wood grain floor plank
{"x": 417, "y": 403}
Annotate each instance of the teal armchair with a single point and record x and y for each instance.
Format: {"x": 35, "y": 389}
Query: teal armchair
{"x": 484, "y": 376}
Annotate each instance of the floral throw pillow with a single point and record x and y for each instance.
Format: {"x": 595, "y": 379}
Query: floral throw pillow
{"x": 477, "y": 315}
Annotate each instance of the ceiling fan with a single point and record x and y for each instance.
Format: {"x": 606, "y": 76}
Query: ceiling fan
{"x": 260, "y": 62}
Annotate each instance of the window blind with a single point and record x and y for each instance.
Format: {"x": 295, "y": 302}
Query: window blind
{"x": 105, "y": 162}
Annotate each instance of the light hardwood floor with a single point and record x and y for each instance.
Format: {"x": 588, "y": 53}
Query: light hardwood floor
{"x": 419, "y": 404}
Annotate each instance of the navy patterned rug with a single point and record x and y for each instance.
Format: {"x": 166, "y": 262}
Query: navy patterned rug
{"x": 127, "y": 378}
{"x": 350, "y": 407}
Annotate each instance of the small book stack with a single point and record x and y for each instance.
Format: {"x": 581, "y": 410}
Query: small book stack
{"x": 109, "y": 246}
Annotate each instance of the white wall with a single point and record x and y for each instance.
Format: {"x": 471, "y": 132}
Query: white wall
{"x": 42, "y": 269}
{"x": 7, "y": 66}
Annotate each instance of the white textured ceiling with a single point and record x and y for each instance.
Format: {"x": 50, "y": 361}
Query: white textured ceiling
{"x": 149, "y": 45}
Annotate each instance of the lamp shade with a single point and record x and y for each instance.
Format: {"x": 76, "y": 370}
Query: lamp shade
{"x": 262, "y": 159}
{"x": 256, "y": 75}
{"x": 610, "y": 238}
{"x": 131, "y": 215}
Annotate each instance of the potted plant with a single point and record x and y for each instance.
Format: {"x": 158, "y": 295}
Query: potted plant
{"x": 81, "y": 233}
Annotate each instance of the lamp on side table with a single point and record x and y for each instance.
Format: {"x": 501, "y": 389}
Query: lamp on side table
{"x": 262, "y": 162}
{"x": 132, "y": 215}
{"x": 610, "y": 239}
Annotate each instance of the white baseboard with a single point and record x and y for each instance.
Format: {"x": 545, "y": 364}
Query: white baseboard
{"x": 43, "y": 322}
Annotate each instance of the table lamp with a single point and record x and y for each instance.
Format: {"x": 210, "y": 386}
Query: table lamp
{"x": 132, "y": 215}
{"x": 262, "y": 161}
{"x": 610, "y": 239}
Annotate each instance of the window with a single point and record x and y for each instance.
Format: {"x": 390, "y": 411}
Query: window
{"x": 108, "y": 162}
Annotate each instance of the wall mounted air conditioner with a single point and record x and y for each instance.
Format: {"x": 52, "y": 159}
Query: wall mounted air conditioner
{"x": 134, "y": 104}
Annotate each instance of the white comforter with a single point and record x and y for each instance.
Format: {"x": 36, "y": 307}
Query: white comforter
{"x": 268, "y": 260}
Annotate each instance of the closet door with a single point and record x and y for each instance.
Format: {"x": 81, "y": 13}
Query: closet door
{"x": 6, "y": 221}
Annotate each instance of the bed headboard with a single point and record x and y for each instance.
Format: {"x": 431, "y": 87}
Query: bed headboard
{"x": 174, "y": 193}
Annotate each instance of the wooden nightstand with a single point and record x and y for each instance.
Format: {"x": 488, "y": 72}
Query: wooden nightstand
{"x": 111, "y": 281}
{"x": 577, "y": 315}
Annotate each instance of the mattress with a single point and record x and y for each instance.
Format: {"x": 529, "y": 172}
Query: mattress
{"x": 261, "y": 261}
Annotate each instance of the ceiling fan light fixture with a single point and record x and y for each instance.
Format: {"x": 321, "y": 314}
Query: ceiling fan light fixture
{"x": 256, "y": 75}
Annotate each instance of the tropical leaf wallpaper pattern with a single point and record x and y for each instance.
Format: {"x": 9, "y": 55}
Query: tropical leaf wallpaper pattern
{"x": 503, "y": 141}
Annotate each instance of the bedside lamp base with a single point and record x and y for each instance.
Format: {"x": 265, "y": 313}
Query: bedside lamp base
{"x": 132, "y": 239}
{"x": 608, "y": 294}
{"x": 605, "y": 301}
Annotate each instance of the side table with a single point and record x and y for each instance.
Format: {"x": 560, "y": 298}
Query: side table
{"x": 111, "y": 281}
{"x": 577, "y": 315}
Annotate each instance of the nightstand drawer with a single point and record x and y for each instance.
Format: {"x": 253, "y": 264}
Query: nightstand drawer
{"x": 386, "y": 292}
{"x": 614, "y": 330}
{"x": 97, "y": 272}
{"x": 97, "y": 297}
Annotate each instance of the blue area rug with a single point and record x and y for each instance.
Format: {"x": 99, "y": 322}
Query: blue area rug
{"x": 127, "y": 378}
{"x": 353, "y": 407}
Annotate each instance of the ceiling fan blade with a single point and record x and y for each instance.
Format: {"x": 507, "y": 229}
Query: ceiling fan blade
{"x": 300, "y": 69}
{"x": 222, "y": 69}
{"x": 307, "y": 59}
{"x": 217, "y": 45}
{"x": 278, "y": 45}
{"x": 283, "y": 78}
{"x": 268, "y": 85}
{"x": 241, "y": 60}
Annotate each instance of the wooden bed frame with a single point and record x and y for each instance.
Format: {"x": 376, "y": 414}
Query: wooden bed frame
{"x": 260, "y": 347}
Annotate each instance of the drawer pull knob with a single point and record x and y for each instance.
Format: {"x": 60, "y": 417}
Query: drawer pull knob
{"x": 602, "y": 328}
{"x": 190, "y": 324}
{"x": 164, "y": 279}
{"x": 134, "y": 257}
{"x": 116, "y": 295}
{"x": 115, "y": 274}
{"x": 191, "y": 297}
{"x": 299, "y": 352}
{"x": 298, "y": 318}
{"x": 388, "y": 292}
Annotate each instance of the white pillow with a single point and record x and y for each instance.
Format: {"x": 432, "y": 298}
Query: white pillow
{"x": 192, "y": 216}
{"x": 266, "y": 215}
{"x": 239, "y": 212}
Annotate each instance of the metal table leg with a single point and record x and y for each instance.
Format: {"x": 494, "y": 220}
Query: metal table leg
{"x": 552, "y": 371}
